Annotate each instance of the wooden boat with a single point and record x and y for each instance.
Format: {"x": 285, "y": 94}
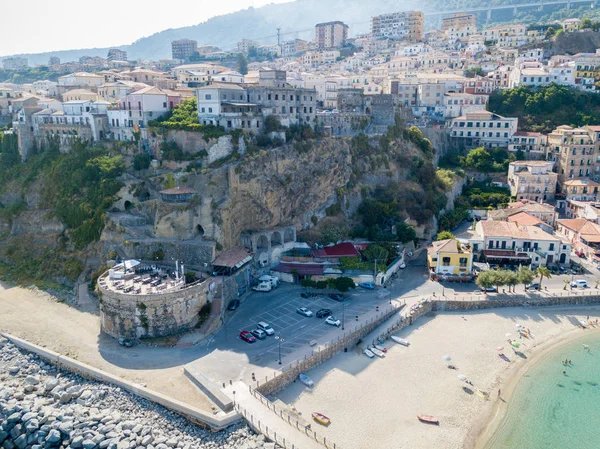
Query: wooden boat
{"x": 401, "y": 341}
{"x": 321, "y": 418}
{"x": 428, "y": 419}
{"x": 305, "y": 380}
{"x": 377, "y": 352}
{"x": 368, "y": 353}
{"x": 381, "y": 348}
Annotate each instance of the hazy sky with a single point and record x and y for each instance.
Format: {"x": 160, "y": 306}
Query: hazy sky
{"x": 35, "y": 26}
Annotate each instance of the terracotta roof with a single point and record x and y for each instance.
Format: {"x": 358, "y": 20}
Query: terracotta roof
{"x": 512, "y": 230}
{"x": 443, "y": 246}
{"x": 233, "y": 257}
{"x": 301, "y": 268}
{"x": 575, "y": 224}
{"x": 178, "y": 191}
{"x": 345, "y": 249}
{"x": 524, "y": 219}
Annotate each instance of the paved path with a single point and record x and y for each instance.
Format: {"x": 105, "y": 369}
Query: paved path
{"x": 271, "y": 424}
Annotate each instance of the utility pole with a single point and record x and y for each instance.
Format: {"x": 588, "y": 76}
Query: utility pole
{"x": 279, "y": 37}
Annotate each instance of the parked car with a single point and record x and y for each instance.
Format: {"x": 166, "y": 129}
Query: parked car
{"x": 233, "y": 304}
{"x": 489, "y": 289}
{"x": 322, "y": 313}
{"x": 367, "y": 285}
{"x": 259, "y": 333}
{"x": 247, "y": 336}
{"x": 533, "y": 286}
{"x": 128, "y": 343}
{"x": 333, "y": 321}
{"x": 308, "y": 295}
{"x": 579, "y": 283}
{"x": 304, "y": 311}
{"x": 336, "y": 297}
{"x": 263, "y": 287}
{"x": 266, "y": 328}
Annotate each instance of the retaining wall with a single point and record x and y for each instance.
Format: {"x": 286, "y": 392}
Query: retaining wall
{"x": 518, "y": 301}
{"x": 193, "y": 414}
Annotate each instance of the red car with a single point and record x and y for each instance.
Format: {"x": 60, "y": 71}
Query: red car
{"x": 247, "y": 336}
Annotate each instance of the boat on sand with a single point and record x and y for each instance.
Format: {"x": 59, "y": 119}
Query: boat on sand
{"x": 305, "y": 380}
{"x": 401, "y": 341}
{"x": 321, "y": 418}
{"x": 428, "y": 419}
{"x": 377, "y": 352}
{"x": 381, "y": 348}
{"x": 368, "y": 353}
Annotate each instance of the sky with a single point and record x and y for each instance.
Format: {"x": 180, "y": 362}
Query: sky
{"x": 36, "y": 26}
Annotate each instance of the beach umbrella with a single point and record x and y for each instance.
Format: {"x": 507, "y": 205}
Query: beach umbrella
{"x": 508, "y": 334}
{"x": 518, "y": 326}
{"x": 499, "y": 348}
{"x": 447, "y": 358}
{"x": 462, "y": 377}
{"x": 516, "y": 344}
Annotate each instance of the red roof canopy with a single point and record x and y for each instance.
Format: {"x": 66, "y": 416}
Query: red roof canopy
{"x": 345, "y": 249}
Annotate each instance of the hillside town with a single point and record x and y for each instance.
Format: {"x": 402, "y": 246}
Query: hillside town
{"x": 224, "y": 197}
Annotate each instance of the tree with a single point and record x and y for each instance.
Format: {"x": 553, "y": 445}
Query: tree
{"x": 405, "y": 233}
{"x": 343, "y": 284}
{"x": 543, "y": 272}
{"x": 487, "y": 279}
{"x": 334, "y": 234}
{"x": 242, "y": 64}
{"x": 478, "y": 159}
{"x": 525, "y": 276}
{"x": 511, "y": 279}
{"x": 141, "y": 161}
{"x": 585, "y": 24}
{"x": 445, "y": 235}
{"x": 272, "y": 124}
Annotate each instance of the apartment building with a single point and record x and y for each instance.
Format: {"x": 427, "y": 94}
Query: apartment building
{"x": 508, "y": 243}
{"x": 575, "y": 150}
{"x": 580, "y": 190}
{"x": 245, "y": 45}
{"x": 484, "y": 128}
{"x": 583, "y": 235}
{"x": 183, "y": 49}
{"x": 236, "y": 107}
{"x": 148, "y": 104}
{"x": 331, "y": 35}
{"x": 293, "y": 47}
{"x": 532, "y": 180}
{"x": 459, "y": 103}
{"x": 542, "y": 211}
{"x": 316, "y": 59}
{"x": 458, "y": 20}
{"x": 534, "y": 145}
{"x": 449, "y": 257}
{"x": 80, "y": 79}
{"x": 587, "y": 70}
{"x": 116, "y": 54}
{"x": 403, "y": 26}
{"x": 532, "y": 74}
{"x": 507, "y": 35}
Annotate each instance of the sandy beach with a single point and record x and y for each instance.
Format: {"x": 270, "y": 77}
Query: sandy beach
{"x": 374, "y": 402}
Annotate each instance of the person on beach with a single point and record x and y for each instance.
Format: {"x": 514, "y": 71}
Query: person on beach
{"x": 499, "y": 392}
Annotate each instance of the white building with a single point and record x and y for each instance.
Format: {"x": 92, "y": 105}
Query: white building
{"x": 484, "y": 128}
{"x": 459, "y": 103}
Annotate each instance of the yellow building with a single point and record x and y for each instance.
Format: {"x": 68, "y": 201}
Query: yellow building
{"x": 80, "y": 94}
{"x": 449, "y": 257}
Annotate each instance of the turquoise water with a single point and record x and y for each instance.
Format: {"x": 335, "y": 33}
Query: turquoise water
{"x": 551, "y": 410}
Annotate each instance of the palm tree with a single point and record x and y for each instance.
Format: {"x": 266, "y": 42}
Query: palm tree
{"x": 567, "y": 283}
{"x": 543, "y": 272}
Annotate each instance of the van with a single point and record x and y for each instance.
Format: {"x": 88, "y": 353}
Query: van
{"x": 274, "y": 281}
{"x": 263, "y": 287}
{"x": 579, "y": 283}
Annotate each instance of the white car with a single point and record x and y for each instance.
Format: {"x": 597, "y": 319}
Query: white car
{"x": 304, "y": 311}
{"x": 266, "y": 328}
{"x": 579, "y": 283}
{"x": 333, "y": 321}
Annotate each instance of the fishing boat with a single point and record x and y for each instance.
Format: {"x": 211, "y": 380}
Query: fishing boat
{"x": 305, "y": 380}
{"x": 377, "y": 352}
{"x": 401, "y": 341}
{"x": 321, "y": 418}
{"x": 381, "y": 348}
{"x": 428, "y": 419}
{"x": 368, "y": 353}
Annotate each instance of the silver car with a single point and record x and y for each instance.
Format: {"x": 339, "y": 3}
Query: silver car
{"x": 266, "y": 328}
{"x": 304, "y": 311}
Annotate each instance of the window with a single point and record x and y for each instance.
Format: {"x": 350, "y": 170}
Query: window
{"x": 209, "y": 109}
{"x": 463, "y": 262}
{"x": 551, "y": 248}
{"x": 208, "y": 97}
{"x": 446, "y": 261}
{"x": 165, "y": 104}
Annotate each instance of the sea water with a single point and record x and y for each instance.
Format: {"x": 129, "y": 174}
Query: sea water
{"x": 552, "y": 410}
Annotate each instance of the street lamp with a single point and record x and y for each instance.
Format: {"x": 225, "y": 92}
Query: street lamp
{"x": 279, "y": 340}
{"x": 234, "y": 398}
{"x": 343, "y": 313}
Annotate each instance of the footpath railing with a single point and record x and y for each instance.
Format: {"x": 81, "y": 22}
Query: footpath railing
{"x": 286, "y": 376}
{"x": 291, "y": 421}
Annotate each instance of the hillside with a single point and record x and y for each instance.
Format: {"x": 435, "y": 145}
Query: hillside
{"x": 297, "y": 19}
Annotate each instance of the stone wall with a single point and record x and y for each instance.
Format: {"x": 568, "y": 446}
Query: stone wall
{"x": 150, "y": 316}
{"x": 519, "y": 301}
{"x": 194, "y": 254}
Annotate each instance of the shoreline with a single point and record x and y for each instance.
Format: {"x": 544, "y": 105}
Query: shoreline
{"x": 487, "y": 426}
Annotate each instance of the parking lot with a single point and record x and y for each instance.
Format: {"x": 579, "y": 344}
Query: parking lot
{"x": 278, "y": 308}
